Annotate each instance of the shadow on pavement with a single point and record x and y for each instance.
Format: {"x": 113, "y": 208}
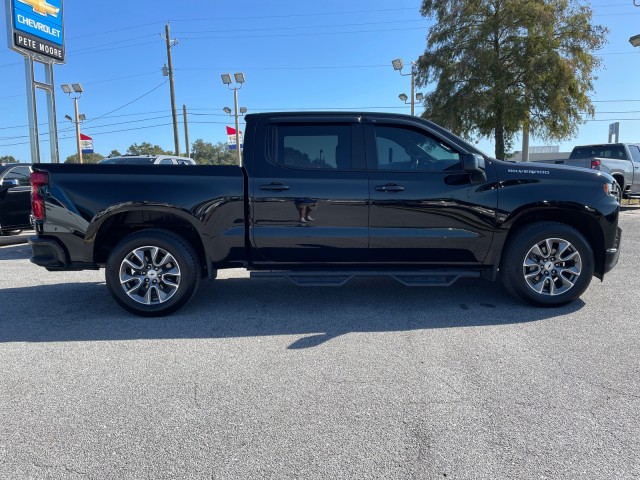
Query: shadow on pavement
{"x": 15, "y": 252}
{"x": 243, "y": 307}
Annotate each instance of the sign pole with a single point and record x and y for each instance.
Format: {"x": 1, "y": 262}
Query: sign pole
{"x": 51, "y": 111}
{"x": 32, "y": 111}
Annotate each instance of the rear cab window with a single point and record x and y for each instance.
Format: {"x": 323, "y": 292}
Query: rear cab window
{"x": 600, "y": 151}
{"x": 19, "y": 173}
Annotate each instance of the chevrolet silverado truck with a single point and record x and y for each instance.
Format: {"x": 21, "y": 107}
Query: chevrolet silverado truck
{"x": 324, "y": 197}
{"x": 620, "y": 160}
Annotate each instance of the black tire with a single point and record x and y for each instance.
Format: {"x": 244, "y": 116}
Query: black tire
{"x": 619, "y": 190}
{"x": 152, "y": 272}
{"x": 548, "y": 264}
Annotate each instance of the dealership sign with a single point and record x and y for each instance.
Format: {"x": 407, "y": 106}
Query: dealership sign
{"x": 36, "y": 27}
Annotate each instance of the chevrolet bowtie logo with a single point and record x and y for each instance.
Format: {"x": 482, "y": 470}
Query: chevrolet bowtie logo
{"x": 42, "y": 7}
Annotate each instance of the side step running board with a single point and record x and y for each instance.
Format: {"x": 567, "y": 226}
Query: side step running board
{"x": 419, "y": 278}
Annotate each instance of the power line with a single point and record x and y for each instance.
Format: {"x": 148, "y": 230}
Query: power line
{"x": 126, "y": 41}
{"x": 303, "y": 34}
{"x": 318, "y": 67}
{"x": 133, "y": 27}
{"x": 129, "y": 103}
{"x": 262, "y": 17}
{"x": 306, "y": 27}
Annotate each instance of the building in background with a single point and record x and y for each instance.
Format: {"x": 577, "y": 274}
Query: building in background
{"x": 547, "y": 152}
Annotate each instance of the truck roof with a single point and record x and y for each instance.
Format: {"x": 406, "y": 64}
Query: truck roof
{"x": 391, "y": 116}
{"x": 605, "y": 144}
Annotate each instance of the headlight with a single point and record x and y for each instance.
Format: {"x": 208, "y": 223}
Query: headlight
{"x": 611, "y": 189}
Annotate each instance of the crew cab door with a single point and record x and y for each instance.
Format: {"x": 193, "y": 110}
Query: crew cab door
{"x": 308, "y": 191}
{"x": 424, "y": 207}
{"x": 635, "y": 164}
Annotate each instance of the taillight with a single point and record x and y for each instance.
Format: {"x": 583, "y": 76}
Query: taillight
{"x": 38, "y": 179}
{"x": 595, "y": 164}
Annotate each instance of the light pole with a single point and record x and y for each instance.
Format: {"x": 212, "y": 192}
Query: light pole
{"x": 243, "y": 111}
{"x": 398, "y": 65}
{"x": 418, "y": 96}
{"x": 75, "y": 88}
{"x": 239, "y": 79}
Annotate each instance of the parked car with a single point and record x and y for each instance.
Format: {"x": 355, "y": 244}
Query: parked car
{"x": 620, "y": 160}
{"x": 147, "y": 160}
{"x": 15, "y": 198}
{"x": 324, "y": 197}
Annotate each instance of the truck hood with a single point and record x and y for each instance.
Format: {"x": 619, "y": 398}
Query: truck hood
{"x": 531, "y": 170}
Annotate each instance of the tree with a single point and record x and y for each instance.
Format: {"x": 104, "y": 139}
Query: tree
{"x": 114, "y": 153}
{"x": 206, "y": 153}
{"x": 8, "y": 159}
{"x": 145, "y": 148}
{"x": 500, "y": 65}
{"x": 86, "y": 158}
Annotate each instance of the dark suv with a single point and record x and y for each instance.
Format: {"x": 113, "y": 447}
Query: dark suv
{"x": 15, "y": 198}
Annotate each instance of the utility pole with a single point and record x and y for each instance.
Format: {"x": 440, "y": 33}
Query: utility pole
{"x": 525, "y": 140}
{"x": 186, "y": 129}
{"x": 174, "y": 114}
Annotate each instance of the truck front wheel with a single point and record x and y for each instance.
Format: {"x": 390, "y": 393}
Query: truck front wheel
{"x": 152, "y": 272}
{"x": 547, "y": 264}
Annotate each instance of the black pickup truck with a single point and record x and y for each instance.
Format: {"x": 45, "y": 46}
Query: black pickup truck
{"x": 321, "y": 198}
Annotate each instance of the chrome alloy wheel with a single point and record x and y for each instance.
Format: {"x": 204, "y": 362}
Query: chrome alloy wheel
{"x": 149, "y": 275}
{"x": 552, "y": 266}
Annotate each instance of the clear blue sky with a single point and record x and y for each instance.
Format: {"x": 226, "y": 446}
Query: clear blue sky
{"x": 295, "y": 56}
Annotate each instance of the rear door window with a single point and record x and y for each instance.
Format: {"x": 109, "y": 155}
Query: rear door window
{"x": 311, "y": 147}
{"x": 635, "y": 153}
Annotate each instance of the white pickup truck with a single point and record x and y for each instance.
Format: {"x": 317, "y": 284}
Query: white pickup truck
{"x": 620, "y": 160}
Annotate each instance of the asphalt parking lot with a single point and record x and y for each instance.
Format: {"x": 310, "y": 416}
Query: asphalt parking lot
{"x": 263, "y": 379}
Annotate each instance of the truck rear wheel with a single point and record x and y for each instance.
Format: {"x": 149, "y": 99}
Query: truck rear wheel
{"x": 547, "y": 264}
{"x": 152, "y": 272}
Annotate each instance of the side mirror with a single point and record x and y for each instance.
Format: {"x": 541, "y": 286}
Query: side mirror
{"x": 10, "y": 183}
{"x": 472, "y": 162}
{"x": 474, "y": 165}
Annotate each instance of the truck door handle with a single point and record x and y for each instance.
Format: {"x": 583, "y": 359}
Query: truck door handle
{"x": 274, "y": 187}
{"x": 390, "y": 187}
